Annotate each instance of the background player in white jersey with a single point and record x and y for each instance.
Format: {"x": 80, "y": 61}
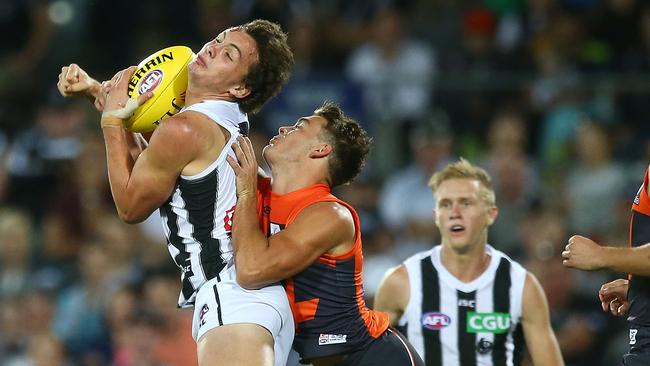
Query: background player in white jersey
{"x": 464, "y": 302}
{"x": 183, "y": 171}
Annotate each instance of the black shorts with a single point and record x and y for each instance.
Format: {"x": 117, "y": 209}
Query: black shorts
{"x": 636, "y": 359}
{"x": 391, "y": 348}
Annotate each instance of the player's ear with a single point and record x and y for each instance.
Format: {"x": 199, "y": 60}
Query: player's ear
{"x": 240, "y": 91}
{"x": 493, "y": 212}
{"x": 320, "y": 151}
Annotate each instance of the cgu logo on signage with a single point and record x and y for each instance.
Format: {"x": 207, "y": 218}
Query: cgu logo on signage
{"x": 435, "y": 321}
{"x": 488, "y": 322}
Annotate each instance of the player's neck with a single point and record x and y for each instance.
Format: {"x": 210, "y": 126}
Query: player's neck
{"x": 196, "y": 97}
{"x": 288, "y": 179}
{"x": 468, "y": 266}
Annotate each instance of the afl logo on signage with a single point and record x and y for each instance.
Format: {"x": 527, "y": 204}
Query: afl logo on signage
{"x": 150, "y": 81}
{"x": 435, "y": 321}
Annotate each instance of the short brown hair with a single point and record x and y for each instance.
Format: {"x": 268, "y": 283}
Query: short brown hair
{"x": 273, "y": 68}
{"x": 350, "y": 144}
{"x": 463, "y": 169}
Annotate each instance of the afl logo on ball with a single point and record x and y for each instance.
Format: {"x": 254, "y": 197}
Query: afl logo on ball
{"x": 150, "y": 81}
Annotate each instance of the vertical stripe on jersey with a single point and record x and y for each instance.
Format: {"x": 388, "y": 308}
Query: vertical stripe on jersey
{"x": 430, "y": 303}
{"x": 466, "y": 340}
{"x": 518, "y": 340}
{"x": 501, "y": 305}
{"x": 200, "y": 197}
{"x": 182, "y": 259}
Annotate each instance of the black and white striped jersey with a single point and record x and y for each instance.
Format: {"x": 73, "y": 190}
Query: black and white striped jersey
{"x": 197, "y": 217}
{"x": 451, "y": 323}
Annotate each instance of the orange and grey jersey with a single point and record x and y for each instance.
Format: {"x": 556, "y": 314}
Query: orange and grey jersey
{"x": 197, "y": 217}
{"x": 639, "y": 294}
{"x": 326, "y": 298}
{"x": 452, "y": 323}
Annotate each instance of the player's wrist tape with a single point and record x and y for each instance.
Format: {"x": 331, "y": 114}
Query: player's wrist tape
{"x": 123, "y": 113}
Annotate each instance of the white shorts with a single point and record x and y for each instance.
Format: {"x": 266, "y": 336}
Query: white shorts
{"x": 222, "y": 301}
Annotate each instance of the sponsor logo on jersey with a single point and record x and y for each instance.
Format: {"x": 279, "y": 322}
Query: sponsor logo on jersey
{"x": 484, "y": 346}
{"x": 435, "y": 321}
{"x": 488, "y": 322}
{"x": 150, "y": 81}
{"x": 633, "y": 333}
{"x": 467, "y": 303}
{"x": 202, "y": 314}
{"x": 325, "y": 339}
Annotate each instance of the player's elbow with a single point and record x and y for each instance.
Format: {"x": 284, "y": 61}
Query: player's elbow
{"x": 248, "y": 279}
{"x": 131, "y": 217}
{"x": 251, "y": 276}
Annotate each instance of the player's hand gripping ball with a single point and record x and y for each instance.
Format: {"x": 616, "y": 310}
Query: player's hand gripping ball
{"x": 165, "y": 74}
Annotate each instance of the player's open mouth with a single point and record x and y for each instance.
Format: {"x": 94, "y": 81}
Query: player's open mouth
{"x": 457, "y": 229}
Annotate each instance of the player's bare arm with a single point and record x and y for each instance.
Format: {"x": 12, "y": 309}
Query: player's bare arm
{"x": 540, "y": 339}
{"x": 585, "y": 254}
{"x": 324, "y": 227}
{"x": 140, "y": 187}
{"x": 393, "y": 293}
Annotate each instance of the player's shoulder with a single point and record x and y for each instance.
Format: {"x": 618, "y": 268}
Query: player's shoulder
{"x": 221, "y": 111}
{"x": 333, "y": 211}
{"x": 499, "y": 255}
{"x": 182, "y": 125}
{"x": 419, "y": 256}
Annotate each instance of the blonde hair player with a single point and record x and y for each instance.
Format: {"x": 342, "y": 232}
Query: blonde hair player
{"x": 183, "y": 172}
{"x": 464, "y": 302}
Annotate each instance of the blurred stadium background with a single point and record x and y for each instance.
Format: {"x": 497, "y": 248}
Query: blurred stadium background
{"x": 549, "y": 95}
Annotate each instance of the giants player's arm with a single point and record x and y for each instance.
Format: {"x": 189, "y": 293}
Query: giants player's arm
{"x": 584, "y": 253}
{"x": 635, "y": 260}
{"x": 393, "y": 293}
{"x": 139, "y": 187}
{"x": 535, "y": 319}
{"x": 316, "y": 230}
{"x": 632, "y": 260}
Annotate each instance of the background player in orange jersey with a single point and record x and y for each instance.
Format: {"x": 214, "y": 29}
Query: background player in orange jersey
{"x": 313, "y": 240}
{"x": 621, "y": 296}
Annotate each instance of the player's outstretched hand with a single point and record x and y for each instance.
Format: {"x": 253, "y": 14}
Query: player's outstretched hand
{"x": 245, "y": 167}
{"x": 613, "y": 297}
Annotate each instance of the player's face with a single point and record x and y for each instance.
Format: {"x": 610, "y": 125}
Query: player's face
{"x": 223, "y": 63}
{"x": 461, "y": 215}
{"x": 296, "y": 142}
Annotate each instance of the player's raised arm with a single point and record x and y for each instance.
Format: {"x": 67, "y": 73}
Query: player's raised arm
{"x": 142, "y": 186}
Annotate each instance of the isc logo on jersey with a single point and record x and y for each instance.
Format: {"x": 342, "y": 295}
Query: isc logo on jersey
{"x": 435, "y": 321}
{"x": 150, "y": 81}
{"x": 488, "y": 322}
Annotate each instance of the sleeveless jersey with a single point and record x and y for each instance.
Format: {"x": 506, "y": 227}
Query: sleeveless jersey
{"x": 326, "y": 298}
{"x": 197, "y": 216}
{"x": 639, "y": 287}
{"x": 452, "y": 323}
